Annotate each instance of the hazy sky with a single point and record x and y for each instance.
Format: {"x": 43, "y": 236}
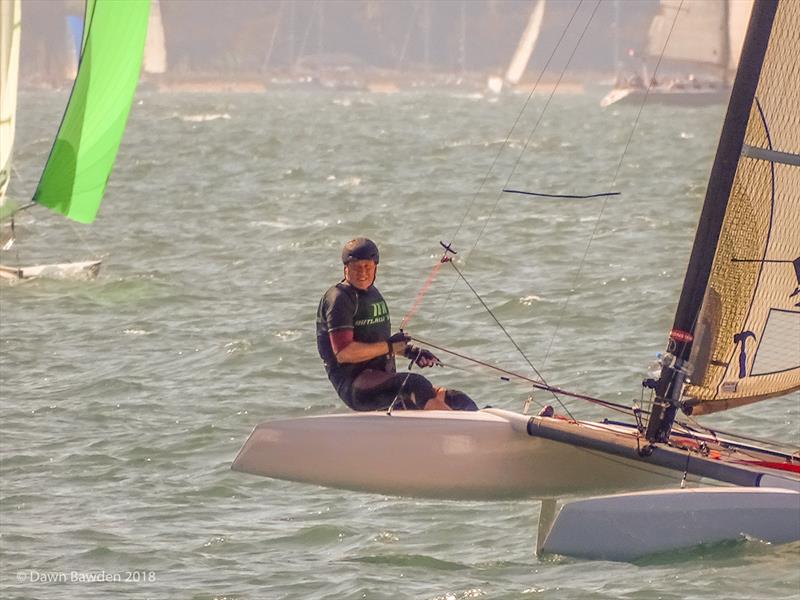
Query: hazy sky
{"x": 447, "y": 35}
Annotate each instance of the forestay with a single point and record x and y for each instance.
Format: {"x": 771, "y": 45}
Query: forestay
{"x": 746, "y": 343}
{"x": 75, "y": 176}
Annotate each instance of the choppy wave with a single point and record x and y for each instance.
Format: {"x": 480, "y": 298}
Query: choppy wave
{"x": 124, "y": 399}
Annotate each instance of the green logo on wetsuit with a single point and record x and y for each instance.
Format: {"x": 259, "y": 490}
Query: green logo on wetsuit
{"x": 379, "y": 309}
{"x": 379, "y": 313}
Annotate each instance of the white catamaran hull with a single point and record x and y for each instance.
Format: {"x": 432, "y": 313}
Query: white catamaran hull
{"x": 486, "y": 455}
{"x": 628, "y": 526}
{"x": 86, "y": 269}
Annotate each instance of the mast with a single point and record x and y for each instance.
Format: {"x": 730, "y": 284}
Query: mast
{"x": 674, "y": 370}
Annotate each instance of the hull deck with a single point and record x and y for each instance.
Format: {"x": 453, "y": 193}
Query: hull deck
{"x": 488, "y": 455}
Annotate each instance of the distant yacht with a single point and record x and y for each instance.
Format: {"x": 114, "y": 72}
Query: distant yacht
{"x": 702, "y": 49}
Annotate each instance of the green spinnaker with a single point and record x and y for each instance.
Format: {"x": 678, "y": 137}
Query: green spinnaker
{"x": 80, "y": 162}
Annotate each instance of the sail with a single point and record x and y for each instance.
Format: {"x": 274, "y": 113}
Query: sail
{"x": 743, "y": 341}
{"x": 75, "y": 176}
{"x": 9, "y": 71}
{"x": 700, "y": 36}
{"x": 519, "y": 62}
{"x": 738, "y": 18}
{"x": 155, "y": 51}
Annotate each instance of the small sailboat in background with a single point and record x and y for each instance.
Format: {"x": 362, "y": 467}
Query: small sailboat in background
{"x": 74, "y": 178}
{"x": 697, "y": 43}
{"x": 735, "y": 340}
{"x": 155, "y": 47}
{"x": 9, "y": 75}
{"x": 522, "y": 55}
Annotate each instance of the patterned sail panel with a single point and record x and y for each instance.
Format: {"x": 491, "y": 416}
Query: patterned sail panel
{"x": 747, "y": 337}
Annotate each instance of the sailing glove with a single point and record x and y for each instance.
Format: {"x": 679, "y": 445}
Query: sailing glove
{"x": 400, "y": 336}
{"x": 398, "y": 342}
{"x": 421, "y": 357}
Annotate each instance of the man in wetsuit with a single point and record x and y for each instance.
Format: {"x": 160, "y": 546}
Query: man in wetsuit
{"x": 355, "y": 342}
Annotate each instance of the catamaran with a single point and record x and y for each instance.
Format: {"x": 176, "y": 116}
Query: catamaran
{"x": 74, "y": 178}
{"x": 671, "y": 482}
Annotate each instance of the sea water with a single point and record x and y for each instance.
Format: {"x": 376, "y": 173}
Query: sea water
{"x": 125, "y": 398}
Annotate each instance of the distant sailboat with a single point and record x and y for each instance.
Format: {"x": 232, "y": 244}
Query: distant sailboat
{"x": 734, "y": 341}
{"x": 74, "y": 178}
{"x": 522, "y": 55}
{"x": 9, "y": 75}
{"x": 155, "y": 49}
{"x": 696, "y": 40}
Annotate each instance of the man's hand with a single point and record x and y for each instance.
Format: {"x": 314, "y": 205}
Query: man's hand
{"x": 421, "y": 357}
{"x": 398, "y": 343}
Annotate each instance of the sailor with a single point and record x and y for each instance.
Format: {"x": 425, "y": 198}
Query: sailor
{"x": 355, "y": 342}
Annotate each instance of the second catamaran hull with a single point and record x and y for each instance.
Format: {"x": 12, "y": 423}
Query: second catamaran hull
{"x": 488, "y": 455}
{"x": 623, "y": 527}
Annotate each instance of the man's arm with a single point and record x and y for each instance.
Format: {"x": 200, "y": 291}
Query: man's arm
{"x": 347, "y": 350}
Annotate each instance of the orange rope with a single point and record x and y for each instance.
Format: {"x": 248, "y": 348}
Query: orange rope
{"x": 422, "y": 291}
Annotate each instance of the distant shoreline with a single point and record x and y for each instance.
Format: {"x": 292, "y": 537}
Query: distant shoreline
{"x": 340, "y": 79}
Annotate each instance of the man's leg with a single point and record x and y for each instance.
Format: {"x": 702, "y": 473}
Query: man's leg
{"x": 459, "y": 400}
{"x": 376, "y": 390}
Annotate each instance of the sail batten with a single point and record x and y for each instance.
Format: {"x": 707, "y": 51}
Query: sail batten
{"x": 738, "y": 320}
{"x": 786, "y": 158}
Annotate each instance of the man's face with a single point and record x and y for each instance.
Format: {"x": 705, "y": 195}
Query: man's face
{"x": 360, "y": 273}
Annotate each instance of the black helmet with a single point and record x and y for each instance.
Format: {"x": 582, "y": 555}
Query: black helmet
{"x": 360, "y": 249}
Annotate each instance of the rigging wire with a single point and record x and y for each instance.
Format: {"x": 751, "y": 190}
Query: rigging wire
{"x": 514, "y": 125}
{"x": 313, "y": 14}
{"x": 689, "y": 430}
{"x": 511, "y": 339}
{"x": 508, "y": 137}
{"x": 603, "y": 206}
{"x": 514, "y": 168}
{"x": 84, "y": 240}
{"x": 693, "y": 423}
{"x": 482, "y": 184}
{"x": 497, "y": 200}
{"x": 535, "y": 127}
{"x": 541, "y": 385}
{"x": 424, "y": 289}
